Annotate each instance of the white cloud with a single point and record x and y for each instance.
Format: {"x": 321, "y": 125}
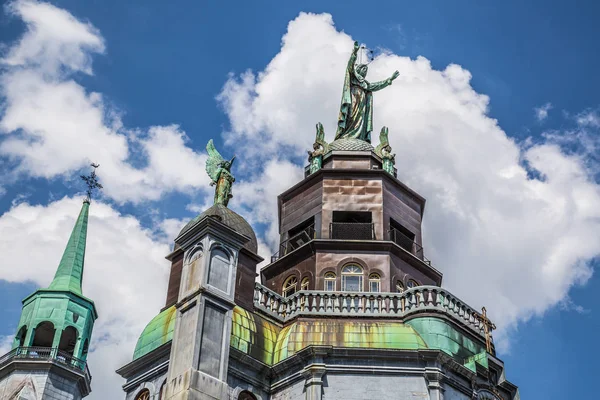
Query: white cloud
{"x": 541, "y": 112}
{"x": 54, "y": 39}
{"x": 588, "y": 118}
{"x": 6, "y": 343}
{"x": 504, "y": 240}
{"x": 119, "y": 252}
{"x": 53, "y": 127}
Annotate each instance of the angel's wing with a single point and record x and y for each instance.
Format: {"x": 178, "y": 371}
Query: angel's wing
{"x": 320, "y": 137}
{"x": 383, "y": 140}
{"x": 213, "y": 161}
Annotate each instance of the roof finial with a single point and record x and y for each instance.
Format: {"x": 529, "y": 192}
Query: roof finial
{"x": 92, "y": 183}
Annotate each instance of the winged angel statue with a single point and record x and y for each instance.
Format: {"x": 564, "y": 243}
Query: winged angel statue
{"x": 219, "y": 171}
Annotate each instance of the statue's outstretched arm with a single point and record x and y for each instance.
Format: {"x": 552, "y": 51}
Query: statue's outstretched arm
{"x": 375, "y": 86}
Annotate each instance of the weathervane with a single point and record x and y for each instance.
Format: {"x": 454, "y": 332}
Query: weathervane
{"x": 92, "y": 183}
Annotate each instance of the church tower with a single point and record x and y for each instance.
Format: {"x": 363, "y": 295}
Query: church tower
{"x": 49, "y": 352}
{"x": 348, "y": 306}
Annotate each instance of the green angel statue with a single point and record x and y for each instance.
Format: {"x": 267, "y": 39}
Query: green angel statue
{"x": 356, "y": 111}
{"x": 219, "y": 171}
{"x": 315, "y": 157}
{"x": 384, "y": 150}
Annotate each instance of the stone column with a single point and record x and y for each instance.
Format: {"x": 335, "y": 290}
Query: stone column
{"x": 434, "y": 377}
{"x": 314, "y": 381}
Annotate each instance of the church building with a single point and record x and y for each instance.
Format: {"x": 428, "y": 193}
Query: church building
{"x": 349, "y": 307}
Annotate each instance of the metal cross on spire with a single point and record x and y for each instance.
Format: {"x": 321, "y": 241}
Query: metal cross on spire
{"x": 92, "y": 183}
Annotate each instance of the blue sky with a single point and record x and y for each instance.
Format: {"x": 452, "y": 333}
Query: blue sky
{"x": 155, "y": 66}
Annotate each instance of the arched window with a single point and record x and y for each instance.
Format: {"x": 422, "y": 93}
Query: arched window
{"x": 304, "y": 284}
{"x": 246, "y": 395}
{"x": 218, "y": 273}
{"x": 143, "y": 395}
{"x": 399, "y": 287}
{"x": 352, "y": 278}
{"x": 197, "y": 254}
{"x": 411, "y": 284}
{"x": 290, "y": 286}
{"x": 330, "y": 282}
{"x": 44, "y": 335}
{"x": 85, "y": 349}
{"x": 374, "y": 283}
{"x": 68, "y": 340}
{"x": 20, "y": 338}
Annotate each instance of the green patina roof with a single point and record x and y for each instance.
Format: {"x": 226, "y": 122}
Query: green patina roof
{"x": 441, "y": 335}
{"x": 158, "y": 332}
{"x": 253, "y": 335}
{"x": 346, "y": 333}
{"x": 266, "y": 342}
{"x": 69, "y": 274}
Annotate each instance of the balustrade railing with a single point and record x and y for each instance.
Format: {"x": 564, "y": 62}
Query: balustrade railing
{"x": 294, "y": 242}
{"x": 46, "y": 353}
{"x": 407, "y": 244}
{"x": 352, "y": 230}
{"x": 367, "y": 304}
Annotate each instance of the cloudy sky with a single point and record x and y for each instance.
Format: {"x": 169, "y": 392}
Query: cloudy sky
{"x": 495, "y": 120}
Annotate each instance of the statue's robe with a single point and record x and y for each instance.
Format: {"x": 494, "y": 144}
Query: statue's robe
{"x": 224, "y": 184}
{"x": 356, "y": 111}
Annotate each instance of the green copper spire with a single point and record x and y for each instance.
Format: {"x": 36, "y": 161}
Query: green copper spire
{"x": 60, "y": 317}
{"x": 69, "y": 274}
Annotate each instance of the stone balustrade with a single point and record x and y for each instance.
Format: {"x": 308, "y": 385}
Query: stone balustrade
{"x": 421, "y": 299}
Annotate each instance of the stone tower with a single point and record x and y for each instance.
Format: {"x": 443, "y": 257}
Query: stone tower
{"x": 48, "y": 356}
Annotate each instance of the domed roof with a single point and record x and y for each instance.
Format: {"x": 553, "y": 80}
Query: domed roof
{"x": 229, "y": 218}
{"x": 158, "y": 332}
{"x": 350, "y": 145}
